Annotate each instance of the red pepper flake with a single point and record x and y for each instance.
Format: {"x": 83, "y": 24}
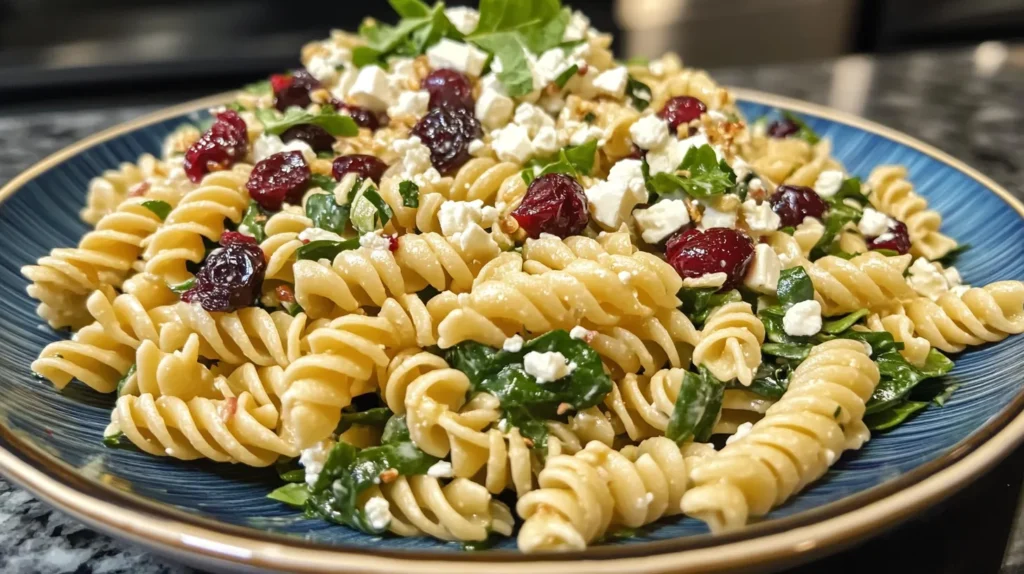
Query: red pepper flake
{"x": 393, "y": 243}
{"x": 230, "y": 407}
{"x": 305, "y": 241}
{"x": 285, "y": 294}
{"x": 139, "y": 189}
{"x": 582, "y": 70}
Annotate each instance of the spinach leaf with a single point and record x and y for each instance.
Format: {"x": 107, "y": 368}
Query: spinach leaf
{"x": 183, "y": 286}
{"x": 325, "y": 213}
{"x": 324, "y": 182}
{"x": 794, "y": 287}
{"x": 890, "y": 418}
{"x": 698, "y": 303}
{"x": 325, "y": 249}
{"x": 837, "y": 217}
{"x": 850, "y": 189}
{"x": 639, "y": 93}
{"x": 707, "y": 176}
{"x": 954, "y": 254}
{"x": 844, "y": 323}
{"x": 880, "y": 341}
{"x": 772, "y": 318}
{"x": 292, "y": 494}
{"x": 525, "y": 402}
{"x": 253, "y": 222}
{"x": 289, "y": 470}
{"x": 567, "y": 75}
{"x": 792, "y": 351}
{"x": 805, "y": 132}
{"x": 275, "y": 123}
{"x": 373, "y": 417}
{"x": 770, "y": 380}
{"x": 510, "y": 49}
{"x": 160, "y": 208}
{"x": 410, "y": 193}
{"x": 697, "y": 406}
{"x": 899, "y": 377}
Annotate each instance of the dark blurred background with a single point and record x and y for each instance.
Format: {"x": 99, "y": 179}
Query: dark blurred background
{"x": 98, "y": 50}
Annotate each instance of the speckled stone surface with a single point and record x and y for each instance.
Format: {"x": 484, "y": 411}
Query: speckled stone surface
{"x": 969, "y": 103}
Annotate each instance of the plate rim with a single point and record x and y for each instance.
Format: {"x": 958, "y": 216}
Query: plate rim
{"x": 812, "y": 532}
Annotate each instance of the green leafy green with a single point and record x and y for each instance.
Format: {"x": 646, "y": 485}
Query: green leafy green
{"x": 590, "y": 117}
{"x": 836, "y": 326}
{"x": 292, "y": 494}
{"x": 805, "y": 132}
{"x": 698, "y": 303}
{"x": 510, "y": 49}
{"x": 837, "y": 217}
{"x": 697, "y": 407}
{"x": 950, "y": 258}
{"x": 567, "y": 75}
{"x": 323, "y": 154}
{"x": 288, "y": 470}
{"x": 410, "y": 193}
{"x": 124, "y": 380}
{"x": 118, "y": 440}
{"x": 571, "y": 160}
{"x": 253, "y": 222}
{"x": 525, "y": 403}
{"x": 410, "y": 8}
{"x": 899, "y": 377}
{"x": 183, "y": 286}
{"x": 850, "y": 189}
{"x": 260, "y": 88}
{"x": 793, "y": 351}
{"x": 160, "y": 208}
{"x": 770, "y": 380}
{"x": 707, "y": 176}
{"x": 372, "y": 417}
{"x": 794, "y": 287}
{"x": 639, "y": 93}
{"x": 325, "y": 249}
{"x": 509, "y": 29}
{"x": 890, "y": 418}
{"x": 324, "y": 182}
{"x": 941, "y": 398}
{"x": 275, "y": 123}
{"x": 879, "y": 341}
{"x": 325, "y": 213}
{"x": 384, "y": 213}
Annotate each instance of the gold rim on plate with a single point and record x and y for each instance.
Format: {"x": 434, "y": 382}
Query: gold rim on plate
{"x": 213, "y": 544}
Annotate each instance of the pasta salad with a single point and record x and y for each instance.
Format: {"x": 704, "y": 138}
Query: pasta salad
{"x": 467, "y": 276}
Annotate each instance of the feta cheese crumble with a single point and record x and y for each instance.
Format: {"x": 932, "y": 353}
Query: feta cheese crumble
{"x": 931, "y": 280}
{"x": 759, "y": 217}
{"x": 610, "y": 202}
{"x": 741, "y": 431}
{"x": 513, "y": 344}
{"x": 547, "y": 367}
{"x": 371, "y": 89}
{"x": 463, "y": 18}
{"x": 512, "y": 143}
{"x": 829, "y": 183}
{"x": 317, "y": 234}
{"x": 649, "y": 132}
{"x": 581, "y": 333}
{"x": 413, "y": 103}
{"x": 802, "y": 319}
{"x": 765, "y": 269}
{"x": 661, "y": 219}
{"x": 313, "y": 459}
{"x": 378, "y": 512}
{"x": 715, "y": 218}
{"x": 873, "y": 223}
{"x": 375, "y": 240}
{"x": 440, "y": 469}
{"x": 456, "y": 216}
{"x": 458, "y": 56}
{"x": 612, "y": 82}
{"x": 267, "y": 145}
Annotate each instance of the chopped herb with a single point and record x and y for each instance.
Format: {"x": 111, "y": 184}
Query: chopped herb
{"x": 254, "y": 221}
{"x": 839, "y": 411}
{"x": 275, "y": 123}
{"x": 707, "y": 176}
{"x": 325, "y": 249}
{"x": 639, "y": 93}
{"x": 567, "y": 75}
{"x": 410, "y": 193}
{"x": 183, "y": 286}
{"x": 161, "y": 208}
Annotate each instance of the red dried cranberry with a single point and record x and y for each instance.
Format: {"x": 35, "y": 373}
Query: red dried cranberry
{"x": 229, "y": 237}
{"x": 448, "y": 131}
{"x": 293, "y": 90}
{"x": 448, "y": 88}
{"x": 555, "y": 204}
{"x": 363, "y": 117}
{"x": 317, "y": 137}
{"x": 365, "y": 165}
{"x": 896, "y": 238}
{"x": 795, "y": 202}
{"x": 281, "y": 177}
{"x": 694, "y": 253}
{"x": 219, "y": 148}
{"x": 393, "y": 243}
{"x": 781, "y": 129}
{"x": 682, "y": 110}
{"x": 231, "y": 278}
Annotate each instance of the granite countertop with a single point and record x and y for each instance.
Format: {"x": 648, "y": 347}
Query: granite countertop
{"x": 968, "y": 102}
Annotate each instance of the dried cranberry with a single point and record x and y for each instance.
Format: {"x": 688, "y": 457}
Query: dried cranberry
{"x": 226, "y": 142}
{"x": 229, "y": 237}
{"x": 896, "y": 238}
{"x": 448, "y": 88}
{"x": 555, "y": 204}
{"x": 781, "y": 129}
{"x": 393, "y": 243}
{"x": 682, "y": 110}
{"x": 795, "y": 202}
{"x": 231, "y": 278}
{"x": 281, "y": 177}
{"x": 448, "y": 131}
{"x": 293, "y": 90}
{"x": 365, "y": 165}
{"x": 317, "y": 137}
{"x": 363, "y": 117}
{"x": 694, "y": 253}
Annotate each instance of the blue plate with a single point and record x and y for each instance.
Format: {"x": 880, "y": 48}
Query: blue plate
{"x": 51, "y": 440}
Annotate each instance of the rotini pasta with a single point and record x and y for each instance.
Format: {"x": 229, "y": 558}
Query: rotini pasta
{"x": 730, "y": 344}
{"x": 892, "y": 194}
{"x": 868, "y": 281}
{"x": 981, "y": 315}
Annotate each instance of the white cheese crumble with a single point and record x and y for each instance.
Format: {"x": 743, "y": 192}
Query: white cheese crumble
{"x": 661, "y": 219}
{"x": 440, "y": 469}
{"x": 414, "y": 157}
{"x": 765, "y": 269}
{"x": 715, "y": 218}
{"x": 741, "y": 431}
{"x": 546, "y": 141}
{"x": 374, "y": 240}
{"x": 378, "y": 512}
{"x": 476, "y": 243}
{"x": 612, "y": 82}
{"x": 931, "y": 280}
{"x": 494, "y": 109}
{"x": 513, "y": 344}
{"x": 313, "y": 459}
{"x": 512, "y": 143}
{"x": 371, "y": 89}
{"x": 475, "y": 146}
{"x": 759, "y": 217}
{"x": 532, "y": 118}
{"x": 649, "y": 132}
{"x": 829, "y": 182}
{"x": 611, "y": 201}
{"x": 547, "y": 367}
{"x": 458, "y": 56}
{"x": 456, "y": 216}
{"x": 873, "y": 223}
{"x": 317, "y": 234}
{"x": 413, "y": 103}
{"x": 668, "y": 157}
{"x": 577, "y": 28}
{"x": 463, "y": 18}
{"x": 581, "y": 333}
{"x": 706, "y": 281}
{"x": 267, "y": 145}
{"x": 802, "y": 319}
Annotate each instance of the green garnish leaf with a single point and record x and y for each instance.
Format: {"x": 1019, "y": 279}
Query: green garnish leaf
{"x": 850, "y": 189}
{"x": 835, "y": 220}
{"x": 805, "y": 132}
{"x": 183, "y": 286}
{"x": 697, "y": 406}
{"x": 890, "y": 418}
{"x": 325, "y": 249}
{"x": 124, "y": 380}
{"x": 161, "y": 208}
{"x": 275, "y": 123}
{"x": 118, "y": 441}
{"x": 639, "y": 93}
{"x": 770, "y": 381}
{"x": 951, "y": 257}
{"x": 793, "y": 351}
{"x": 899, "y": 377}
{"x": 325, "y": 213}
{"x": 567, "y": 75}
{"x": 698, "y": 303}
{"x": 837, "y": 326}
{"x": 373, "y": 417}
{"x": 384, "y": 212}
{"x": 794, "y": 287}
{"x": 324, "y": 182}
{"x": 571, "y": 160}
{"x": 292, "y": 494}
{"x": 509, "y": 48}
{"x": 707, "y": 176}
{"x": 410, "y": 8}
{"x": 254, "y": 222}
{"x": 410, "y": 193}
{"x": 363, "y": 56}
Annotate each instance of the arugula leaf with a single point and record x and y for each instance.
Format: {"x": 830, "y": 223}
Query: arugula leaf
{"x": 510, "y": 50}
{"x": 275, "y": 123}
{"x": 836, "y": 326}
{"x": 372, "y": 417}
{"x": 325, "y": 249}
{"x": 183, "y": 286}
{"x": 410, "y": 8}
{"x": 526, "y": 403}
{"x": 707, "y": 176}
{"x": 899, "y": 377}
{"x": 581, "y": 157}
{"x": 697, "y": 407}
{"x": 410, "y": 193}
{"x": 770, "y": 381}
{"x": 850, "y": 189}
{"x": 545, "y": 33}
{"x": 160, "y": 208}
{"x": 324, "y": 182}
{"x": 805, "y": 132}
{"x": 292, "y": 494}
{"x": 363, "y": 56}
{"x": 698, "y": 303}
{"x": 254, "y": 220}
{"x": 794, "y": 287}
{"x": 639, "y": 93}
{"x": 124, "y": 380}
{"x": 325, "y": 213}
{"x": 567, "y": 75}
{"x": 888, "y": 419}
{"x": 837, "y": 217}
{"x": 498, "y": 15}
{"x": 792, "y": 351}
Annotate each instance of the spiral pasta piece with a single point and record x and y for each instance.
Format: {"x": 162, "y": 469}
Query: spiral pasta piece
{"x": 109, "y": 189}
{"x": 283, "y": 229}
{"x": 791, "y": 161}
{"x": 247, "y": 335}
{"x": 868, "y": 281}
{"x": 892, "y": 194}
{"x": 174, "y": 374}
{"x": 730, "y": 344}
{"x": 220, "y": 196}
{"x": 128, "y": 321}
{"x": 459, "y": 510}
{"x": 799, "y": 438}
{"x": 581, "y": 496}
{"x": 232, "y": 429}
{"x": 483, "y": 178}
{"x": 264, "y": 384}
{"x": 646, "y": 345}
{"x": 915, "y": 349}
{"x": 92, "y": 356}
{"x": 981, "y": 315}
{"x": 667, "y": 79}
